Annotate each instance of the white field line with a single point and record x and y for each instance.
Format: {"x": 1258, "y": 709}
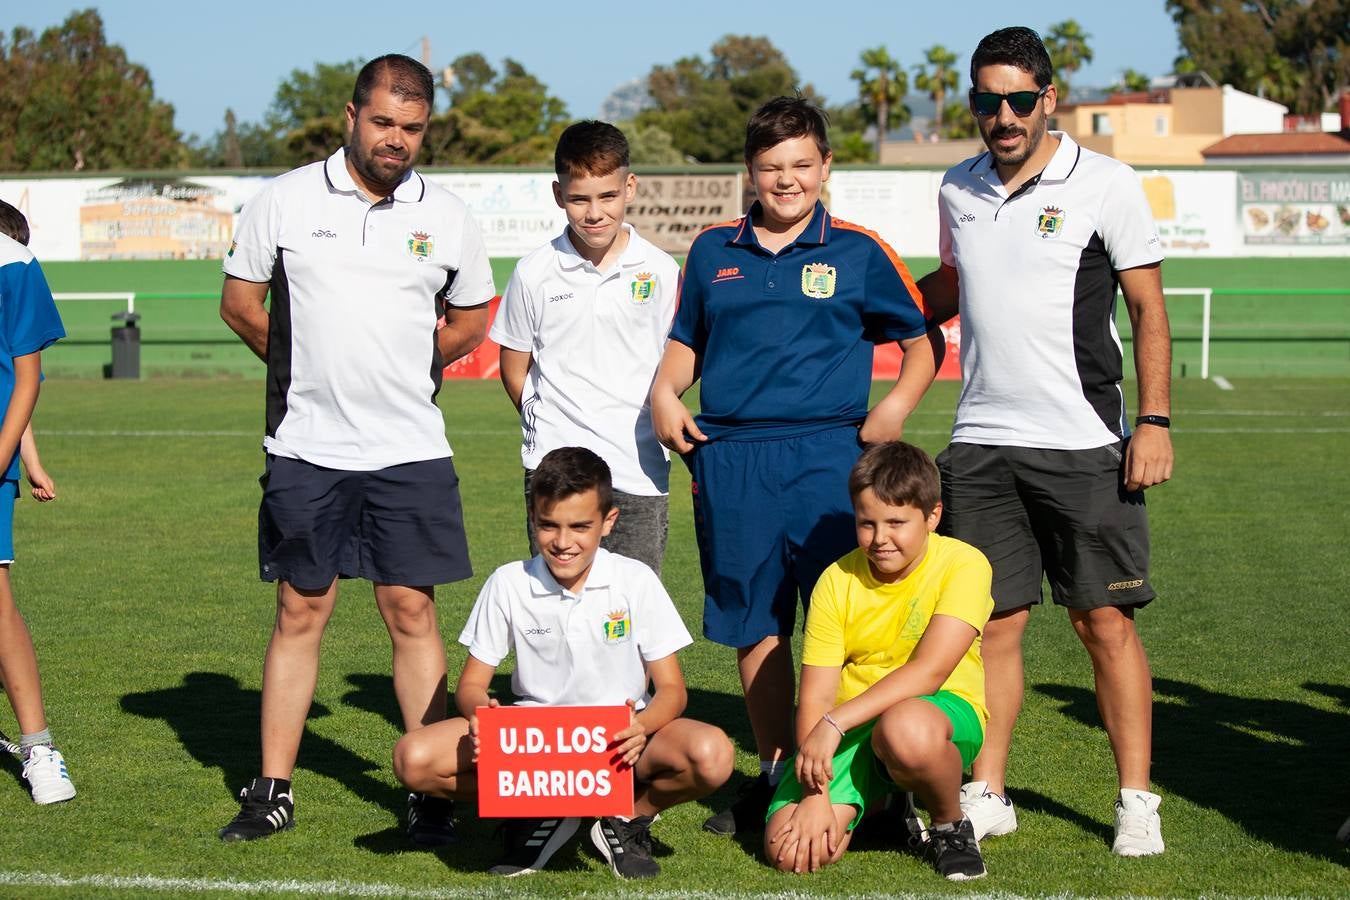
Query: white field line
{"x": 605, "y": 887}
{"x": 1223, "y": 383}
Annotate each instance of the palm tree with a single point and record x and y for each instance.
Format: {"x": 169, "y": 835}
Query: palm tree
{"x": 1067, "y": 44}
{"x": 882, "y": 84}
{"x": 939, "y": 80}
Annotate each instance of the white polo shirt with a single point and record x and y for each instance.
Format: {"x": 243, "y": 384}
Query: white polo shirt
{"x": 587, "y": 649}
{"x": 1041, "y": 359}
{"x": 596, "y": 339}
{"x": 356, "y": 291}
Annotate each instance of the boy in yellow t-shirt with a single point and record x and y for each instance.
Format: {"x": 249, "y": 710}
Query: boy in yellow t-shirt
{"x": 892, "y": 687}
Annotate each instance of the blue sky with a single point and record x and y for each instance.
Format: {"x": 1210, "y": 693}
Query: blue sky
{"x": 235, "y": 54}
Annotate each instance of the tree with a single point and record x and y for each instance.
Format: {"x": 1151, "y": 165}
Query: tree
{"x": 1067, "y": 44}
{"x": 469, "y": 74}
{"x": 703, "y": 105}
{"x": 939, "y": 80}
{"x": 1296, "y": 52}
{"x": 960, "y": 122}
{"x": 847, "y": 124}
{"x": 882, "y": 85}
{"x": 322, "y": 93}
{"x": 650, "y": 145}
{"x": 1131, "y": 81}
{"x": 69, "y": 100}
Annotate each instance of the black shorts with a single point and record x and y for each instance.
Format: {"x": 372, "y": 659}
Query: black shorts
{"x": 1061, "y": 513}
{"x": 401, "y": 525}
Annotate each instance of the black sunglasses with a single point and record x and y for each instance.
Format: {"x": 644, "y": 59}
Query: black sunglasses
{"x": 987, "y": 103}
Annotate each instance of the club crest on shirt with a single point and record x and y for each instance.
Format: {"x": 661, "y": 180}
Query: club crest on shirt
{"x": 234, "y": 245}
{"x": 1050, "y": 222}
{"x": 642, "y": 288}
{"x": 617, "y": 626}
{"x": 818, "y": 281}
{"x": 419, "y": 245}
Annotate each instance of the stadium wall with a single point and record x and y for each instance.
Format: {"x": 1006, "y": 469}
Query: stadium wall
{"x": 1210, "y": 212}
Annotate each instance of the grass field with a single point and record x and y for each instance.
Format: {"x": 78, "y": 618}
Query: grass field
{"x": 140, "y": 585}
{"x": 1254, "y": 334}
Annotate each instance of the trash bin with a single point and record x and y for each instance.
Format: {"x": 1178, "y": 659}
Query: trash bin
{"x": 126, "y": 346}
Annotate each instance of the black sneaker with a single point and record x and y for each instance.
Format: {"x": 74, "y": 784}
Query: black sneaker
{"x": 955, "y": 852}
{"x": 626, "y": 846}
{"x": 531, "y": 843}
{"x": 913, "y": 833}
{"x": 749, "y": 810}
{"x": 266, "y": 806}
{"x": 431, "y": 820}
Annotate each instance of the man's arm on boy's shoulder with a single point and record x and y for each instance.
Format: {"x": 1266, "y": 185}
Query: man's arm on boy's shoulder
{"x": 669, "y": 698}
{"x": 241, "y": 306}
{"x": 465, "y": 328}
{"x": 514, "y": 367}
{"x": 941, "y": 289}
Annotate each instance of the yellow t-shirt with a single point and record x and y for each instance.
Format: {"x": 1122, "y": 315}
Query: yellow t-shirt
{"x": 870, "y": 628}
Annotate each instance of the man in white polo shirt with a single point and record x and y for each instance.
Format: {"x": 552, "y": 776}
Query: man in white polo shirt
{"x": 378, "y": 279}
{"x": 582, "y": 327}
{"x": 1043, "y": 473}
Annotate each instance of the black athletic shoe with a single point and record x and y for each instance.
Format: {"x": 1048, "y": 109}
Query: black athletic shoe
{"x": 531, "y": 843}
{"x": 266, "y": 806}
{"x": 626, "y": 846}
{"x": 748, "y": 812}
{"x": 955, "y": 852}
{"x": 431, "y": 820}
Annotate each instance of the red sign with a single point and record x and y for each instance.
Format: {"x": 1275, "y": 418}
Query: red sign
{"x": 547, "y": 761}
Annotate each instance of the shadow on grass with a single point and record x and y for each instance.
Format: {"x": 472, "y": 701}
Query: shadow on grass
{"x": 374, "y": 693}
{"x": 1261, "y": 763}
{"x": 216, "y": 719}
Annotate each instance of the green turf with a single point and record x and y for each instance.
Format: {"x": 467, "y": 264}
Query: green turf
{"x": 1267, "y": 334}
{"x": 140, "y": 585}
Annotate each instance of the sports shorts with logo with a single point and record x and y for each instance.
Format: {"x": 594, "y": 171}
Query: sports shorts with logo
{"x": 400, "y": 525}
{"x": 769, "y": 516}
{"x": 860, "y": 780}
{"x": 1064, "y": 514}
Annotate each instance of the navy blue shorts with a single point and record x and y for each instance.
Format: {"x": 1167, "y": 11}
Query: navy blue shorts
{"x": 770, "y": 516}
{"x": 401, "y": 525}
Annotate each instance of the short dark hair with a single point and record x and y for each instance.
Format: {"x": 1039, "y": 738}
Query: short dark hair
{"x": 1017, "y": 46}
{"x": 590, "y": 148}
{"x": 404, "y": 76}
{"x": 785, "y": 118}
{"x": 13, "y": 223}
{"x": 899, "y": 474}
{"x": 568, "y": 471}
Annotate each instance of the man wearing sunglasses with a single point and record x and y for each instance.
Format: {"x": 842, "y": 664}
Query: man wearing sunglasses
{"x": 1043, "y": 473}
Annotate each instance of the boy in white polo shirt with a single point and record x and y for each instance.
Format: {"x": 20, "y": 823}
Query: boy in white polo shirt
{"x": 582, "y": 327}
{"x": 553, "y": 611}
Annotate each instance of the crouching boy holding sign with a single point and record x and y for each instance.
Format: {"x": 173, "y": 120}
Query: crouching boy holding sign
{"x": 589, "y": 628}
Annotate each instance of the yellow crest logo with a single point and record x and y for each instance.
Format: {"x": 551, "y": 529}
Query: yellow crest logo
{"x": 1050, "y": 222}
{"x": 642, "y": 288}
{"x": 617, "y": 626}
{"x": 419, "y": 245}
{"x": 818, "y": 281}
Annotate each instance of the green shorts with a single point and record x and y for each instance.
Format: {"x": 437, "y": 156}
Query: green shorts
{"x": 860, "y": 780}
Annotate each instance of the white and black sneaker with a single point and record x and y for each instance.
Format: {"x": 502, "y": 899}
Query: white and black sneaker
{"x": 266, "y": 806}
{"x": 431, "y": 820}
{"x": 531, "y": 843}
{"x": 626, "y": 846}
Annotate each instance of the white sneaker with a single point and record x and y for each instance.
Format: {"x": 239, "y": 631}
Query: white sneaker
{"x": 1138, "y": 827}
{"x": 990, "y": 814}
{"x": 45, "y": 772}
